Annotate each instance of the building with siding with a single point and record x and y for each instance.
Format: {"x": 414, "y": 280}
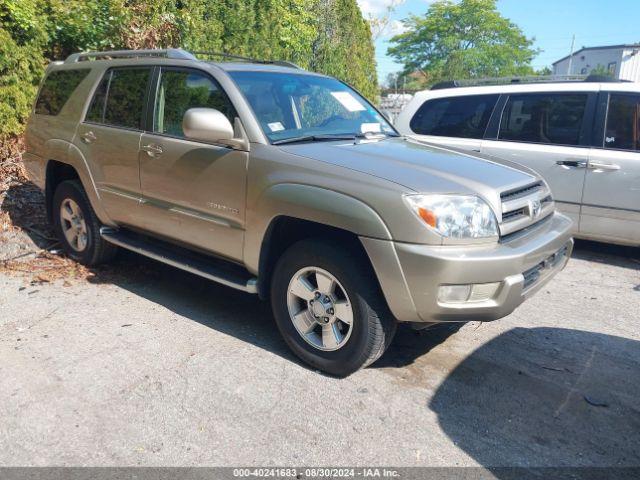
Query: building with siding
{"x": 621, "y": 61}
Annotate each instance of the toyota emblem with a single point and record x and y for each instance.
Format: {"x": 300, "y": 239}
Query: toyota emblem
{"x": 535, "y": 207}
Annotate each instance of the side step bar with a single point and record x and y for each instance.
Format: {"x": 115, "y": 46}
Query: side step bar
{"x": 211, "y": 268}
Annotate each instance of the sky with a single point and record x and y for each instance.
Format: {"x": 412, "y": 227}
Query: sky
{"x": 551, "y": 22}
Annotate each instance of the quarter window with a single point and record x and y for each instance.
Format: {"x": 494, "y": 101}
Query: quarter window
{"x": 464, "y": 117}
{"x": 543, "y": 118}
{"x": 623, "y": 123}
{"x": 119, "y": 99}
{"x": 57, "y": 89}
{"x": 180, "y": 90}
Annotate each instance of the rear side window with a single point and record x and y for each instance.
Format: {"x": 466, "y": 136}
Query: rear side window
{"x": 623, "y": 123}
{"x": 57, "y": 89}
{"x": 119, "y": 100}
{"x": 180, "y": 90}
{"x": 550, "y": 118}
{"x": 464, "y": 117}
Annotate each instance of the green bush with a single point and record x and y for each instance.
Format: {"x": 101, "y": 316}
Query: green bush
{"x": 21, "y": 67}
{"x": 328, "y": 36}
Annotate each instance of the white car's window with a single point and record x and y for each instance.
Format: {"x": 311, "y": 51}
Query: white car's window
{"x": 295, "y": 105}
{"x": 549, "y": 118}
{"x": 462, "y": 117}
{"x": 623, "y": 122}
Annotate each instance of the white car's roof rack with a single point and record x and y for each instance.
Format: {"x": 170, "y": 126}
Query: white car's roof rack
{"x": 479, "y": 82}
{"x": 175, "y": 53}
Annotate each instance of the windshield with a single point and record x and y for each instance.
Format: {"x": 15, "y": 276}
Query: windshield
{"x": 292, "y": 106}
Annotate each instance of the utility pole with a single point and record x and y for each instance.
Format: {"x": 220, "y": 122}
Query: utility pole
{"x": 573, "y": 42}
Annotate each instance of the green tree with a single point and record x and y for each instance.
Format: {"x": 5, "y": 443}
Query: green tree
{"x": 22, "y": 42}
{"x": 328, "y": 36}
{"x": 466, "y": 39}
{"x": 601, "y": 71}
{"x": 545, "y": 72}
{"x": 343, "y": 47}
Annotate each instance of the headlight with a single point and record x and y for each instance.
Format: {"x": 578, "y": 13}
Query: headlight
{"x": 455, "y": 216}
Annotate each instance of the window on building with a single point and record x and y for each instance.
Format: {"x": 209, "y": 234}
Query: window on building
{"x": 623, "y": 122}
{"x": 464, "y": 117}
{"x": 119, "y": 99}
{"x": 181, "y": 90}
{"x": 550, "y": 118}
{"x": 57, "y": 89}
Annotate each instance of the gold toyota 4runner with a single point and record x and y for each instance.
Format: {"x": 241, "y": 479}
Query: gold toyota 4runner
{"x": 289, "y": 185}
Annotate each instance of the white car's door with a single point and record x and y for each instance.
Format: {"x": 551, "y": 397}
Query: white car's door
{"x": 546, "y": 132}
{"x": 611, "y": 200}
{"x": 453, "y": 121}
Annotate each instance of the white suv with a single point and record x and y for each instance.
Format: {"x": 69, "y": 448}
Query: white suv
{"x": 583, "y": 137}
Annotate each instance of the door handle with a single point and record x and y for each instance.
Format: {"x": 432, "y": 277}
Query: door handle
{"x": 88, "y": 137}
{"x": 603, "y": 166}
{"x": 572, "y": 163}
{"x": 152, "y": 150}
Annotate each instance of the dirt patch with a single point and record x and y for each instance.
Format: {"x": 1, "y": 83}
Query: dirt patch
{"x": 28, "y": 246}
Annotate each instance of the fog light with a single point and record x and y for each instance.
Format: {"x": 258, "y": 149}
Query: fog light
{"x": 478, "y": 292}
{"x": 454, "y": 293}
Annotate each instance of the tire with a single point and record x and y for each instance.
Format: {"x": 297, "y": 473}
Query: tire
{"x": 359, "y": 343}
{"x": 92, "y": 249}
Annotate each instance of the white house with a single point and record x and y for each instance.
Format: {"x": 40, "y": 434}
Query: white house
{"x": 621, "y": 61}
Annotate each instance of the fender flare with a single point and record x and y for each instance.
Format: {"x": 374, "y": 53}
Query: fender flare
{"x": 315, "y": 204}
{"x": 66, "y": 152}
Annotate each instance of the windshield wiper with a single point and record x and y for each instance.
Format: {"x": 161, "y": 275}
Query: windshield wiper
{"x": 314, "y": 138}
{"x": 338, "y": 136}
{"x": 374, "y": 135}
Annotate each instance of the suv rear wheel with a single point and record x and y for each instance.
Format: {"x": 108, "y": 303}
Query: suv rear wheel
{"x": 329, "y": 308}
{"x": 77, "y": 226}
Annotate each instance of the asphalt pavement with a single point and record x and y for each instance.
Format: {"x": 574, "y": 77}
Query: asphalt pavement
{"x": 142, "y": 364}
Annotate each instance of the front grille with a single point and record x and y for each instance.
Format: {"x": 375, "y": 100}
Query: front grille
{"x": 532, "y": 275}
{"x": 524, "y": 206}
{"x": 520, "y": 192}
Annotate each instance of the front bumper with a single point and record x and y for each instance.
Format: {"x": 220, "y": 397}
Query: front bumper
{"x": 411, "y": 275}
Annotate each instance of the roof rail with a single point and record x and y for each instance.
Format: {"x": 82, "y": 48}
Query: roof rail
{"x": 175, "y": 53}
{"x": 241, "y": 58}
{"x": 524, "y": 79}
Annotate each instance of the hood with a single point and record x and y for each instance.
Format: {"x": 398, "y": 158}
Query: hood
{"x": 421, "y": 167}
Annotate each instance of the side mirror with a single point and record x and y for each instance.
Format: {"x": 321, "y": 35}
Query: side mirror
{"x": 210, "y": 125}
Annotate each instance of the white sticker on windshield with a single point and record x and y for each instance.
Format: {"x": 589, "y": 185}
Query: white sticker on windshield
{"x": 348, "y": 101}
{"x": 370, "y": 128}
{"x": 276, "y": 126}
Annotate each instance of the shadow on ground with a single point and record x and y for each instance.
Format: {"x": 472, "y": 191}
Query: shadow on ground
{"x": 568, "y": 397}
{"x": 617, "y": 255}
{"x": 24, "y": 204}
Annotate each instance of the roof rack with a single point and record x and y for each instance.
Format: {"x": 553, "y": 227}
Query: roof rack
{"x": 175, "y": 53}
{"x": 525, "y": 79}
{"x": 241, "y": 58}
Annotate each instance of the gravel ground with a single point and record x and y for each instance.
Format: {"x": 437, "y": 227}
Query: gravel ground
{"x": 141, "y": 364}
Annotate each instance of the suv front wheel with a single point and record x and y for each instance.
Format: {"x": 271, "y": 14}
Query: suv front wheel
{"x": 329, "y": 308}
